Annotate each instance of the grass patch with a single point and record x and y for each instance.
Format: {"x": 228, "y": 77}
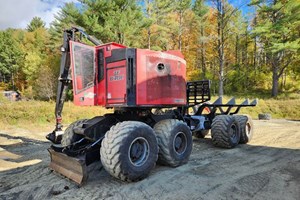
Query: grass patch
{"x": 266, "y": 95}
{"x": 281, "y": 108}
{"x": 39, "y": 115}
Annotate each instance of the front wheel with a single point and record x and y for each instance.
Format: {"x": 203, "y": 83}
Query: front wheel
{"x": 129, "y": 151}
{"x": 175, "y": 142}
{"x": 69, "y": 137}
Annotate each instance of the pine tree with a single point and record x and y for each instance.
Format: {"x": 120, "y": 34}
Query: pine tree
{"x": 35, "y": 23}
{"x": 161, "y": 30}
{"x": 120, "y": 21}
{"x": 68, "y": 16}
{"x": 278, "y": 30}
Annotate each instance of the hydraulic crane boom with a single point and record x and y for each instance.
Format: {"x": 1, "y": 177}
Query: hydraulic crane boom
{"x": 64, "y": 77}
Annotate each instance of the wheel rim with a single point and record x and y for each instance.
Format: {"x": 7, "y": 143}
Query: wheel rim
{"x": 233, "y": 133}
{"x": 138, "y": 151}
{"x": 180, "y": 143}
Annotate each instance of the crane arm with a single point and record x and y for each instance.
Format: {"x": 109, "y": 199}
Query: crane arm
{"x": 64, "y": 79}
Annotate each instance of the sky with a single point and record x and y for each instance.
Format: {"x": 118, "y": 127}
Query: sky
{"x": 18, "y": 13}
{"x": 243, "y": 6}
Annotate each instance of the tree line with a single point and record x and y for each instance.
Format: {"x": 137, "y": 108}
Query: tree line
{"x": 240, "y": 54}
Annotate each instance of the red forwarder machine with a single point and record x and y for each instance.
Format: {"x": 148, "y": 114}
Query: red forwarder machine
{"x": 136, "y": 83}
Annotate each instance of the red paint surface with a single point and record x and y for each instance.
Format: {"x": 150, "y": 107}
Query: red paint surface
{"x": 160, "y": 79}
{"x": 160, "y": 86}
{"x": 116, "y": 83}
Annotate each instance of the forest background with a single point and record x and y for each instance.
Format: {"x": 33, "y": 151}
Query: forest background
{"x": 252, "y": 54}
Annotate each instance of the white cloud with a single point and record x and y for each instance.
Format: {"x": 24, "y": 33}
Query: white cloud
{"x": 18, "y": 13}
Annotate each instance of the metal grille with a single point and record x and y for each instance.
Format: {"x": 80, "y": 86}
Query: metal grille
{"x": 198, "y": 92}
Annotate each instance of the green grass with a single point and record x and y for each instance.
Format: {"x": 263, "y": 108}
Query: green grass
{"x": 39, "y": 115}
{"x": 280, "y": 108}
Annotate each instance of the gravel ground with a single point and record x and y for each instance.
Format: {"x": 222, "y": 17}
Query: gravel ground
{"x": 266, "y": 168}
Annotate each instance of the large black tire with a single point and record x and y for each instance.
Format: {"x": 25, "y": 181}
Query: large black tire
{"x": 129, "y": 151}
{"x": 200, "y": 134}
{"x": 69, "y": 137}
{"x": 225, "y": 131}
{"x": 246, "y": 128}
{"x": 175, "y": 142}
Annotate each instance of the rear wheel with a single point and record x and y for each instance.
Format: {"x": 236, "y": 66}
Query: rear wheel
{"x": 225, "y": 131}
{"x": 246, "y": 128}
{"x": 69, "y": 137}
{"x": 174, "y": 141}
{"x": 129, "y": 150}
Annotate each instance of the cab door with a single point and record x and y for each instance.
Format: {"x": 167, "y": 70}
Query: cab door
{"x": 116, "y": 83}
{"x": 83, "y": 73}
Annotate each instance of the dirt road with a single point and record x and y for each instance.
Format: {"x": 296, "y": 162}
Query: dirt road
{"x": 266, "y": 168}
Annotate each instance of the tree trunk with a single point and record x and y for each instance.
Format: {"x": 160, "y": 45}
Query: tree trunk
{"x": 221, "y": 91}
{"x": 149, "y": 29}
{"x": 180, "y": 30}
{"x": 236, "y": 49}
{"x": 246, "y": 48}
{"x": 255, "y": 55}
{"x": 221, "y": 69}
{"x": 12, "y": 81}
{"x": 255, "y": 48}
{"x": 275, "y": 78}
{"x": 221, "y": 16}
{"x": 203, "y": 54}
{"x": 149, "y": 38}
{"x": 275, "y": 82}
